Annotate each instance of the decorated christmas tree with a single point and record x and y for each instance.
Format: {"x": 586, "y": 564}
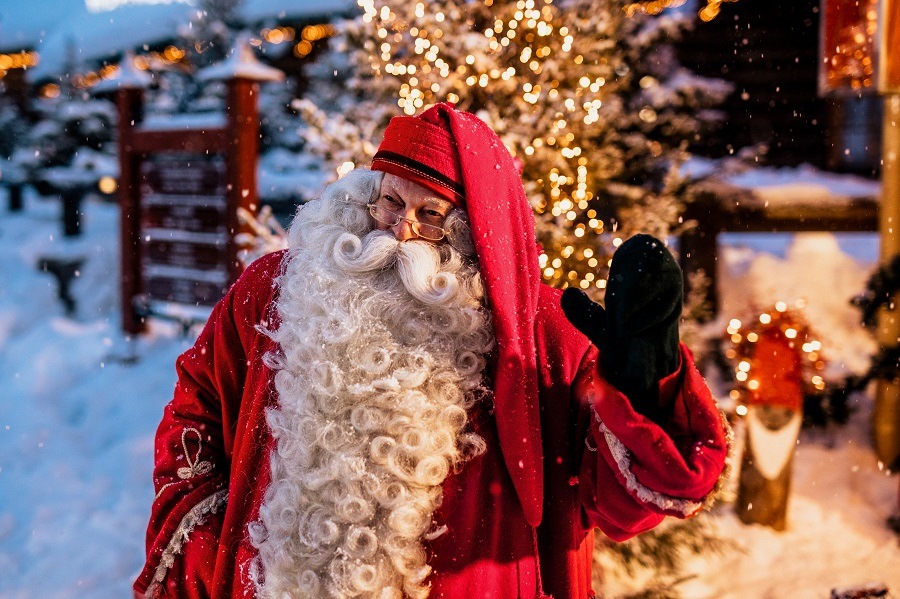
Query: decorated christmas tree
{"x": 587, "y": 96}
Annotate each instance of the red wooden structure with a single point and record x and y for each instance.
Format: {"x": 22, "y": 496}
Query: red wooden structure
{"x": 182, "y": 180}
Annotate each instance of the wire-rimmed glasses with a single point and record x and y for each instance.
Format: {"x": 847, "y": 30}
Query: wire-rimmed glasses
{"x": 392, "y": 219}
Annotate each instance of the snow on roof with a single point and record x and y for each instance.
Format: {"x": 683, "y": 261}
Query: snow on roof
{"x": 180, "y": 122}
{"x": 262, "y": 9}
{"x": 23, "y": 28}
{"x": 241, "y": 64}
{"x": 96, "y": 35}
{"x": 803, "y": 184}
{"x": 129, "y": 76}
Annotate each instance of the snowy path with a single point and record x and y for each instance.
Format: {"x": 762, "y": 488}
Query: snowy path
{"x": 76, "y": 427}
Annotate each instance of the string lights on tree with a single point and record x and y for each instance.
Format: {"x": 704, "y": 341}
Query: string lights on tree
{"x": 587, "y": 99}
{"x": 476, "y": 54}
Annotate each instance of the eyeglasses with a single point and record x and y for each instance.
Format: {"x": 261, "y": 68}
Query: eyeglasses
{"x": 392, "y": 219}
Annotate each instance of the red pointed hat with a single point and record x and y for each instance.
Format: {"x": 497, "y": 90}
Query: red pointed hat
{"x": 456, "y": 155}
{"x": 422, "y": 149}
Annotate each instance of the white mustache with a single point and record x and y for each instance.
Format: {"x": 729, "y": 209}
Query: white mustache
{"x": 418, "y": 263}
{"x": 376, "y": 251}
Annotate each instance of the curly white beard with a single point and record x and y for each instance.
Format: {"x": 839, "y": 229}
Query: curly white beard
{"x": 382, "y": 352}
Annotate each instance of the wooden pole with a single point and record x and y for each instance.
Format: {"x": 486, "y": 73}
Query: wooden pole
{"x": 15, "y": 197}
{"x": 698, "y": 250}
{"x": 129, "y": 101}
{"x": 240, "y": 160}
{"x": 886, "y": 419}
{"x": 71, "y": 210}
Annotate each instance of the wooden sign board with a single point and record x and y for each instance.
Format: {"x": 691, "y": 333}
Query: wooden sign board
{"x": 184, "y": 228}
{"x": 859, "y": 47}
{"x": 889, "y": 47}
{"x": 847, "y": 47}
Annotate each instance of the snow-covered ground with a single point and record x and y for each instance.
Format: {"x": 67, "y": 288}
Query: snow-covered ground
{"x": 76, "y": 424}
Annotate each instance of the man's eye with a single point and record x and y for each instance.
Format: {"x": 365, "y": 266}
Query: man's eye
{"x": 392, "y": 203}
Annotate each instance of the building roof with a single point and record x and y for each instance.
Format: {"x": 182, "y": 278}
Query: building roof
{"x": 22, "y": 28}
{"x": 63, "y": 31}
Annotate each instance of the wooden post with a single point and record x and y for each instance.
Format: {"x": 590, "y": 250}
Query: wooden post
{"x": 71, "y": 210}
{"x": 243, "y": 74}
{"x": 763, "y": 495}
{"x": 241, "y": 159}
{"x": 698, "y": 250}
{"x": 178, "y": 247}
{"x": 713, "y": 209}
{"x": 15, "y": 197}
{"x": 886, "y": 417}
{"x": 129, "y": 101}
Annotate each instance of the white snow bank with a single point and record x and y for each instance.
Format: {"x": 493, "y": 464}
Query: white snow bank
{"x": 814, "y": 269}
{"x": 76, "y": 427}
{"x": 803, "y": 184}
{"x": 836, "y": 534}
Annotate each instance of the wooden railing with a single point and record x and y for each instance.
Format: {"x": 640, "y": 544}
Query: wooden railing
{"x": 721, "y": 208}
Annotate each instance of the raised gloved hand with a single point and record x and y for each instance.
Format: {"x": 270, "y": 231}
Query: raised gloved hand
{"x": 637, "y": 333}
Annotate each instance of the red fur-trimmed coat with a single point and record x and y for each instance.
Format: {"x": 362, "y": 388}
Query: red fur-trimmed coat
{"x": 605, "y": 465}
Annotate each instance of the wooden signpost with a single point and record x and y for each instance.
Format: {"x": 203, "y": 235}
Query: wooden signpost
{"x": 182, "y": 181}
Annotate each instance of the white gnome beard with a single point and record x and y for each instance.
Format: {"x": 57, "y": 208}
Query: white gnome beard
{"x": 382, "y": 351}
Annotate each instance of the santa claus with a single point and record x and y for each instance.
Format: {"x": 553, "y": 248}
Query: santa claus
{"x": 396, "y": 406}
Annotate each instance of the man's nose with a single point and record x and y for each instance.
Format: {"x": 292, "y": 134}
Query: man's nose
{"x": 403, "y": 230}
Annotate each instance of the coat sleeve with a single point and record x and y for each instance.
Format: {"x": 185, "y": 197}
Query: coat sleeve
{"x": 193, "y": 448}
{"x": 635, "y": 471}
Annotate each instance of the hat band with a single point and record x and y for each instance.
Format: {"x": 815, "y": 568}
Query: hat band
{"x": 405, "y": 164}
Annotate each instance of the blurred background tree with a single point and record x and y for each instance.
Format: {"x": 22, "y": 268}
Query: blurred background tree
{"x": 588, "y": 95}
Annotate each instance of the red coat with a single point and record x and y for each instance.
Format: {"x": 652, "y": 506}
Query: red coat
{"x": 604, "y": 465}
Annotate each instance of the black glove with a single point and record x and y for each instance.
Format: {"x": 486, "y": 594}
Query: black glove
{"x": 637, "y": 333}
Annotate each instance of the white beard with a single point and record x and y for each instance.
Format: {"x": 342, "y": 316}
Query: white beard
{"x": 382, "y": 349}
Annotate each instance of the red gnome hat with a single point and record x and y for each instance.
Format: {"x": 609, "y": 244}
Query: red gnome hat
{"x": 456, "y": 155}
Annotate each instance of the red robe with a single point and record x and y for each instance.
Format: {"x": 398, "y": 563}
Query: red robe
{"x": 604, "y": 465}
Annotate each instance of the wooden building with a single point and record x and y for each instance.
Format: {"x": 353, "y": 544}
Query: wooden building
{"x": 770, "y": 52}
